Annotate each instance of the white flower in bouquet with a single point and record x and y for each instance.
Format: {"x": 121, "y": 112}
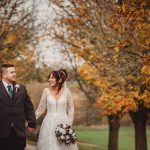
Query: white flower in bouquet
{"x": 67, "y": 137}
{"x": 63, "y": 132}
{"x": 60, "y": 130}
{"x": 70, "y": 131}
{"x": 68, "y": 141}
{"x": 73, "y": 134}
{"x": 64, "y": 125}
{"x": 62, "y": 137}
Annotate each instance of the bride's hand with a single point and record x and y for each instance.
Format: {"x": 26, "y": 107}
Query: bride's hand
{"x": 30, "y": 130}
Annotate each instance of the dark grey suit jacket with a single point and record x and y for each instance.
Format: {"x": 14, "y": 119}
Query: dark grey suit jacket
{"x": 16, "y": 111}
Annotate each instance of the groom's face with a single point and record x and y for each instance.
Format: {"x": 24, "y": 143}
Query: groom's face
{"x": 9, "y": 75}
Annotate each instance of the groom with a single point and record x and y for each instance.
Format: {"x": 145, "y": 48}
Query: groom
{"x": 15, "y": 108}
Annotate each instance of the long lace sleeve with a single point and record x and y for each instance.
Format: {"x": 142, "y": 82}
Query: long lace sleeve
{"x": 70, "y": 107}
{"x": 42, "y": 105}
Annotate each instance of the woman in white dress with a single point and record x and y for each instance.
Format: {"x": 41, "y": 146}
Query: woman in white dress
{"x": 58, "y": 101}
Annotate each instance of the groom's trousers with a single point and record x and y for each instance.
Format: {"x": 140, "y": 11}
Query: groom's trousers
{"x": 13, "y": 142}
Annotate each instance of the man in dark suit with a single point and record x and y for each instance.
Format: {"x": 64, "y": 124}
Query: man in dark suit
{"x": 16, "y": 108}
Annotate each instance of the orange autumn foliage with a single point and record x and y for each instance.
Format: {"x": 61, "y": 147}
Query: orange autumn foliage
{"x": 111, "y": 43}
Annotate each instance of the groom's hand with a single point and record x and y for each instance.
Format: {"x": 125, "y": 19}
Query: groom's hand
{"x": 30, "y": 130}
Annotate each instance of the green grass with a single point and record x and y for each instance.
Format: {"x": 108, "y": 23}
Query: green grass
{"x": 97, "y": 139}
{"x": 83, "y": 147}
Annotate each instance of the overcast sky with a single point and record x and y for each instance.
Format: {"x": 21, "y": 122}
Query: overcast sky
{"x": 50, "y": 50}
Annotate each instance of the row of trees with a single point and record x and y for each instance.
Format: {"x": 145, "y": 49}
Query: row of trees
{"x": 108, "y": 45}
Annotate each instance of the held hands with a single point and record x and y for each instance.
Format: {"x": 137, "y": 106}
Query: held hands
{"x": 30, "y": 130}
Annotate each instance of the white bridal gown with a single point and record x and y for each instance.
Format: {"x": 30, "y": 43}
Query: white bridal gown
{"x": 58, "y": 111}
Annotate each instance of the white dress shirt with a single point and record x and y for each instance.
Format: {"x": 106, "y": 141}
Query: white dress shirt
{"x": 6, "y": 84}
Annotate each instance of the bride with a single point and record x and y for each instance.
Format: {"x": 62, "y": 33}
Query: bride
{"x": 58, "y": 101}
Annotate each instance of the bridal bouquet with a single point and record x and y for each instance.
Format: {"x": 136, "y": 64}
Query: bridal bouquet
{"x": 65, "y": 134}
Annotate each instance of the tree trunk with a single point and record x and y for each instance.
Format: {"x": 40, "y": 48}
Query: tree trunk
{"x": 114, "y": 125}
{"x": 139, "y": 119}
{"x": 88, "y": 113}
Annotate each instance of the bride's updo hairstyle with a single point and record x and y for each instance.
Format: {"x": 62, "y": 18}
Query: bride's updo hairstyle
{"x": 61, "y": 76}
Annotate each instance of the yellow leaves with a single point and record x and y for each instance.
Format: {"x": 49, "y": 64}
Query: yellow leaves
{"x": 147, "y": 41}
{"x": 145, "y": 97}
{"x": 141, "y": 25}
{"x": 145, "y": 70}
{"x": 118, "y": 46}
{"x": 118, "y": 27}
{"x": 116, "y": 103}
{"x": 91, "y": 75}
{"x": 14, "y": 37}
{"x": 81, "y": 10}
{"x": 133, "y": 19}
{"x": 6, "y": 55}
{"x": 78, "y": 44}
{"x": 87, "y": 72}
{"x": 124, "y": 8}
{"x": 83, "y": 49}
{"x": 101, "y": 83}
{"x": 11, "y": 38}
{"x": 143, "y": 3}
{"x": 134, "y": 94}
{"x": 71, "y": 22}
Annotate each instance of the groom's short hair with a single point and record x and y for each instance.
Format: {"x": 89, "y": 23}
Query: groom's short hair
{"x": 4, "y": 67}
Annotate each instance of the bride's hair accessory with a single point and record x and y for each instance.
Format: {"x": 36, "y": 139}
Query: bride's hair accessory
{"x": 63, "y": 72}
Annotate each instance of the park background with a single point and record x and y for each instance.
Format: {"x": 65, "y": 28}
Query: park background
{"x": 105, "y": 47}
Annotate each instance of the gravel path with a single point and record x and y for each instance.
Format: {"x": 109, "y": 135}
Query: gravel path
{"x": 30, "y": 147}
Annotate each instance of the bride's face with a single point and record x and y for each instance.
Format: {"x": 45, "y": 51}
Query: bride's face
{"x": 52, "y": 81}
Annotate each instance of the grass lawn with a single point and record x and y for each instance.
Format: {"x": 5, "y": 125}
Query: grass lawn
{"x": 97, "y": 138}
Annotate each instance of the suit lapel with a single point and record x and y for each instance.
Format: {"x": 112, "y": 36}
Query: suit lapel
{"x": 4, "y": 92}
{"x": 14, "y": 92}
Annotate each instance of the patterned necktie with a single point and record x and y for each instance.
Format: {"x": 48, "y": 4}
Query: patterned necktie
{"x": 10, "y": 91}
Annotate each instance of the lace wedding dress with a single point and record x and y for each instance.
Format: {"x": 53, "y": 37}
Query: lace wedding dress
{"x": 58, "y": 111}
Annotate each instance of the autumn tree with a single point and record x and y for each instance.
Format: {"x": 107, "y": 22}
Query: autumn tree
{"x": 18, "y": 35}
{"x": 134, "y": 28}
{"x": 90, "y": 32}
{"x": 84, "y": 28}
